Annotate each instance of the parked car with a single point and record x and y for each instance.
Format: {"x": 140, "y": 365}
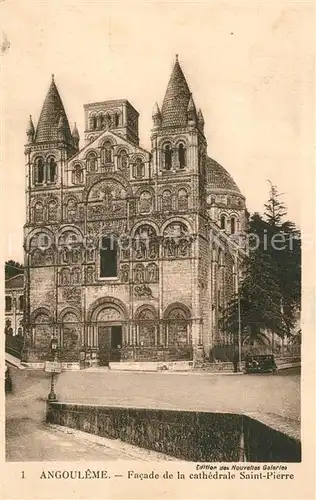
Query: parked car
{"x": 8, "y": 379}
{"x": 263, "y": 363}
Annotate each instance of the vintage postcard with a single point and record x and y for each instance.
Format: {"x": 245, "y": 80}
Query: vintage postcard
{"x": 157, "y": 231}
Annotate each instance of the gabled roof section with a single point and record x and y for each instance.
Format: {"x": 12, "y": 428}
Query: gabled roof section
{"x": 100, "y": 137}
{"x": 52, "y": 110}
{"x": 177, "y": 97}
{"x": 15, "y": 282}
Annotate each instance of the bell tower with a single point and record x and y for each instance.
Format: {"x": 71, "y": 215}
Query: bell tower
{"x": 49, "y": 146}
{"x": 179, "y": 165}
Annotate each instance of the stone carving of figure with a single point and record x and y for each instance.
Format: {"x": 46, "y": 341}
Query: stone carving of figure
{"x": 76, "y": 276}
{"x": 49, "y": 257}
{"x": 76, "y": 255}
{"x": 153, "y": 250}
{"x": 65, "y": 256}
{"x": 140, "y": 249}
{"x": 139, "y": 275}
{"x": 125, "y": 274}
{"x": 152, "y": 273}
{"x": 89, "y": 275}
{"x": 170, "y": 247}
{"x": 90, "y": 254}
{"x": 184, "y": 247}
{"x": 37, "y": 257}
{"x": 65, "y": 277}
{"x": 145, "y": 202}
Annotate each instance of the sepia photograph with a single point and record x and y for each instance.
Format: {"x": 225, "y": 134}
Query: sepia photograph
{"x": 152, "y": 164}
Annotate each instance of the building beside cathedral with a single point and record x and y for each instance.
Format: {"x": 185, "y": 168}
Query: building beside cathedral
{"x": 129, "y": 253}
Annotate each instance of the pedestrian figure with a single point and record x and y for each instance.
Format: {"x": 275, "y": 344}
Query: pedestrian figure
{"x": 235, "y": 362}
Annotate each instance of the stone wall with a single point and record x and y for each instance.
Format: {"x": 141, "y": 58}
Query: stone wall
{"x": 186, "y": 435}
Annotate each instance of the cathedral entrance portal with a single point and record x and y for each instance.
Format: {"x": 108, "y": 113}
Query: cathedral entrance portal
{"x": 110, "y": 343}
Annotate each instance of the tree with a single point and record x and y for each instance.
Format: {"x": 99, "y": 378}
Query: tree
{"x": 259, "y": 294}
{"x": 270, "y": 289}
{"x": 12, "y": 268}
{"x": 284, "y": 247}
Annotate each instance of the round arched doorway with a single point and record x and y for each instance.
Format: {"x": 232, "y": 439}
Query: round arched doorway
{"x": 108, "y": 330}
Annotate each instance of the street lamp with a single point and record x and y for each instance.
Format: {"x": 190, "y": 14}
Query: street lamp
{"x": 239, "y": 315}
{"x": 54, "y": 348}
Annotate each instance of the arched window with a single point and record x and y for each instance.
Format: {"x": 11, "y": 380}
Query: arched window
{"x": 178, "y": 327}
{"x": 51, "y": 169}
{"x": 182, "y": 199}
{"x": 101, "y": 121}
{"x": 145, "y": 202}
{"x": 182, "y": 155}
{"x": 233, "y": 225}
{"x": 117, "y": 119}
{"x": 122, "y": 160}
{"x": 77, "y": 175}
{"x": 8, "y": 303}
{"x": 223, "y": 221}
{"x": 167, "y": 156}
{"x": 21, "y": 302}
{"x": 139, "y": 168}
{"x": 71, "y": 209}
{"x": 38, "y": 212}
{"x": 108, "y": 121}
{"x": 39, "y": 171}
{"x": 166, "y": 200}
{"x": 94, "y": 122}
{"x": 107, "y": 152}
{"x": 146, "y": 328}
{"x": 52, "y": 210}
{"x": 92, "y": 162}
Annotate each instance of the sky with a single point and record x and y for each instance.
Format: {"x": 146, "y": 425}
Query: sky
{"x": 248, "y": 64}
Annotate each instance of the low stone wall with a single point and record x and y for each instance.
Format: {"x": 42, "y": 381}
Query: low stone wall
{"x": 186, "y": 435}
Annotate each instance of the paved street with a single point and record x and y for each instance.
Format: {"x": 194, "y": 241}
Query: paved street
{"x": 28, "y": 437}
{"x": 265, "y": 393}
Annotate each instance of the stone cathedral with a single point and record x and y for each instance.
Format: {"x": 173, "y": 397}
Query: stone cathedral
{"x": 130, "y": 255}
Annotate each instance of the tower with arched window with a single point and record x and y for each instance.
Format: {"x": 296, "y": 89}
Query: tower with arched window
{"x": 126, "y": 250}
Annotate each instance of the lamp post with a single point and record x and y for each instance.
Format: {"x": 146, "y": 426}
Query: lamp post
{"x": 54, "y": 349}
{"x": 239, "y": 313}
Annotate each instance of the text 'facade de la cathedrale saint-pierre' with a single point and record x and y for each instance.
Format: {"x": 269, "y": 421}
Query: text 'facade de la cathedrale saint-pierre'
{"x": 129, "y": 254}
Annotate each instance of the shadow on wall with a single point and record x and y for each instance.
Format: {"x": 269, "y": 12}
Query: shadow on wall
{"x": 186, "y": 435}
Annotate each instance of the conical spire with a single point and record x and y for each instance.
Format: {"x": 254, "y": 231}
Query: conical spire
{"x": 201, "y": 117}
{"x": 52, "y": 110}
{"x": 191, "y": 112}
{"x": 75, "y": 136}
{"x": 30, "y": 130}
{"x": 191, "y": 105}
{"x": 156, "y": 110}
{"x": 75, "y": 133}
{"x": 175, "y": 104}
{"x": 201, "y": 121}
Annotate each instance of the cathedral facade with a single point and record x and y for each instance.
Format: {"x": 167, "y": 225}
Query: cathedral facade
{"x": 129, "y": 253}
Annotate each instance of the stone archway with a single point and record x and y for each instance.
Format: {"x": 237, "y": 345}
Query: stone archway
{"x": 107, "y": 318}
